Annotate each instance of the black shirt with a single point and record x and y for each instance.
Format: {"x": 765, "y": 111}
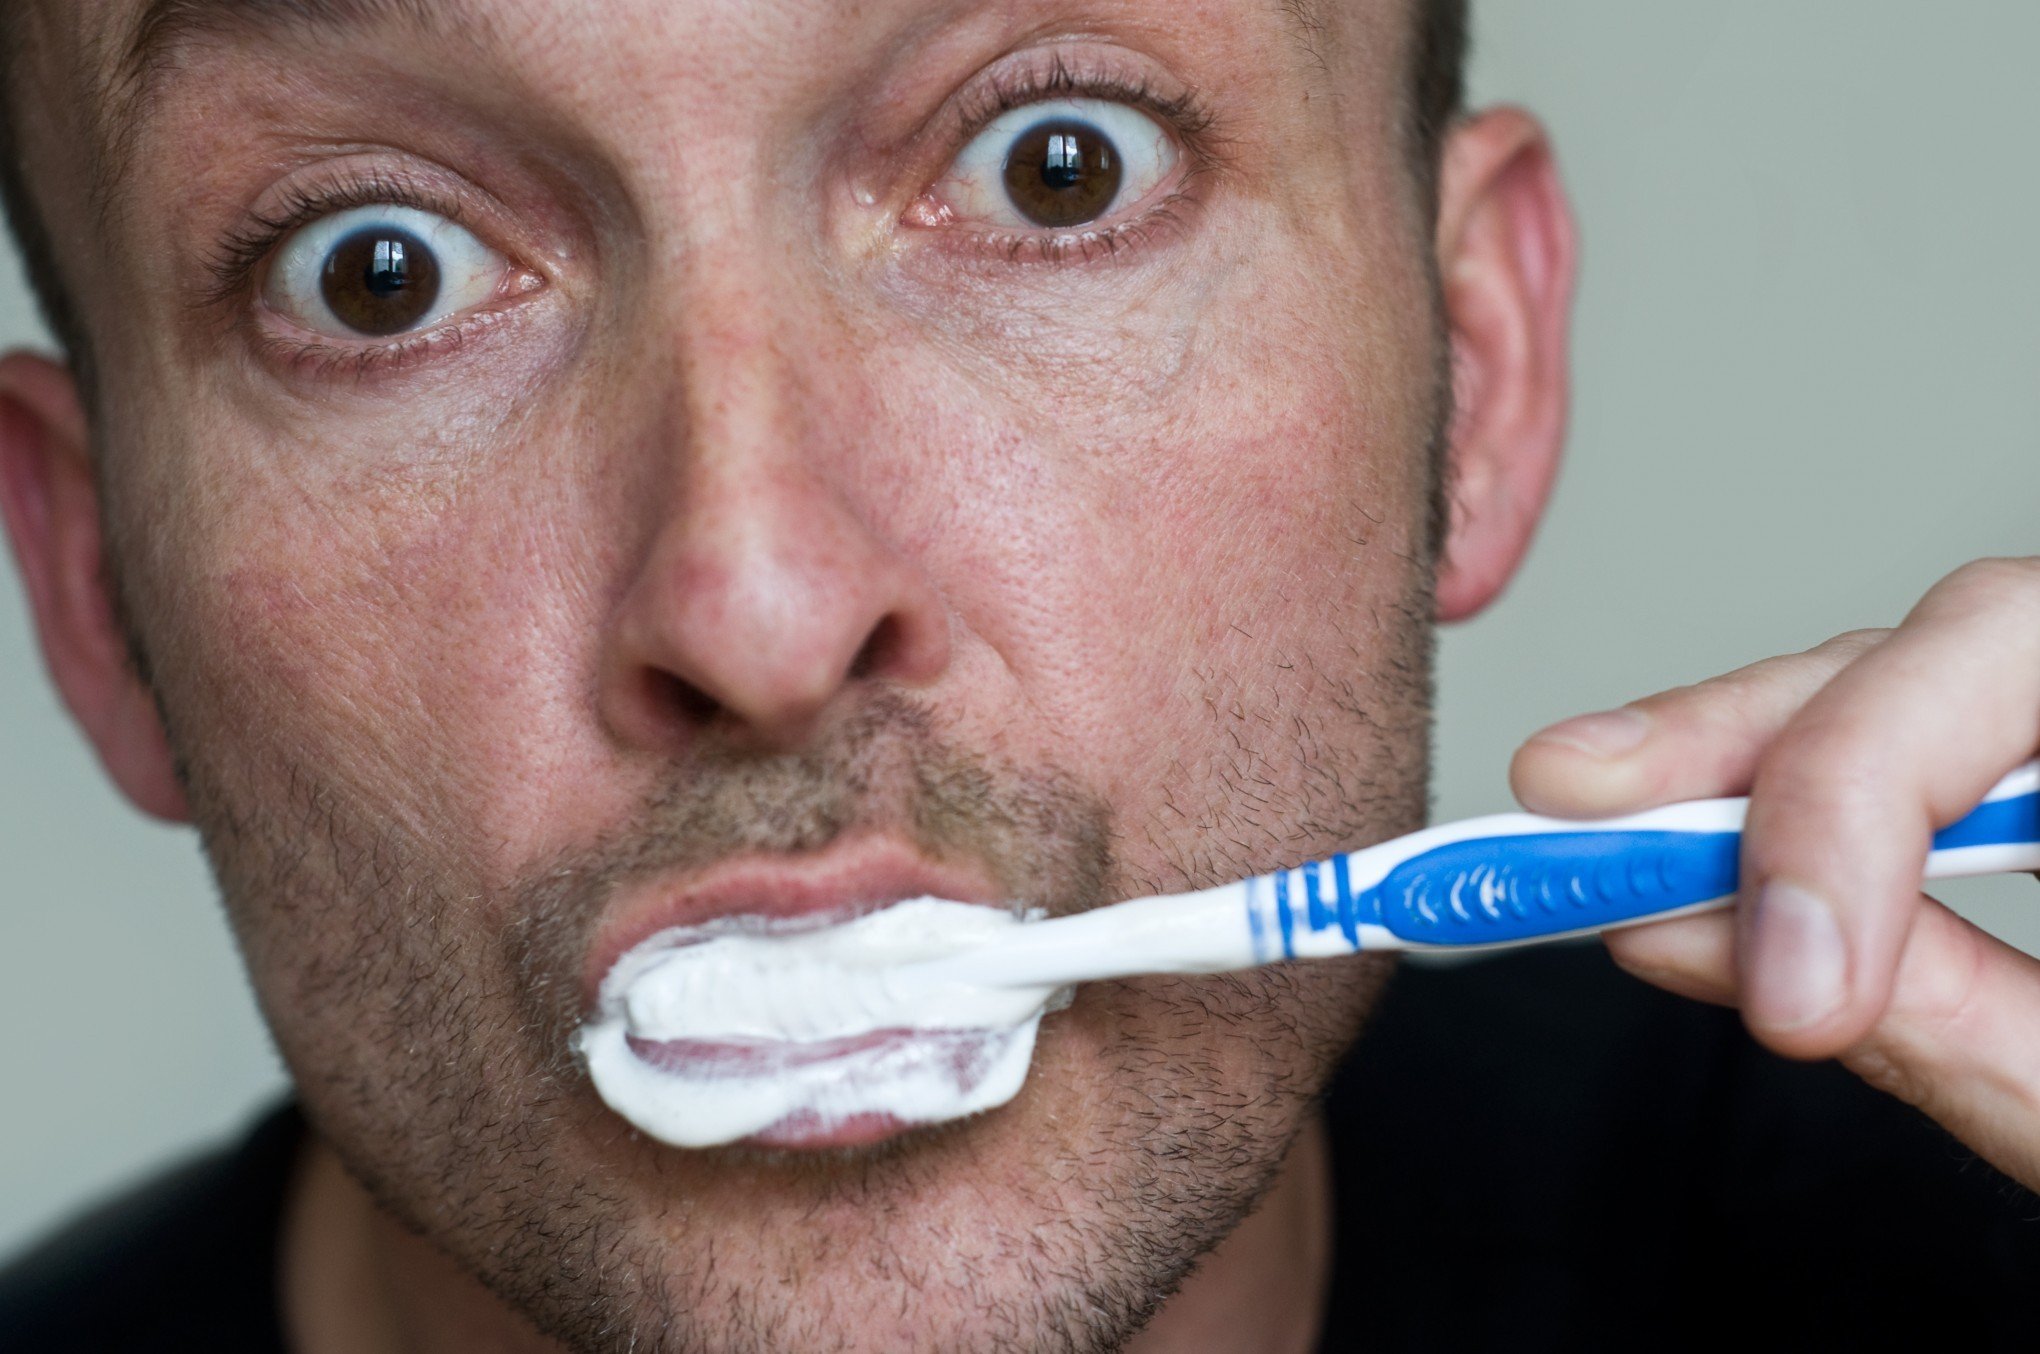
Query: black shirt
{"x": 1534, "y": 1152}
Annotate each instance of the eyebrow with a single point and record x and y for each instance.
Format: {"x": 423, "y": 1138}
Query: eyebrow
{"x": 138, "y": 55}
{"x": 149, "y": 44}
{"x": 162, "y": 27}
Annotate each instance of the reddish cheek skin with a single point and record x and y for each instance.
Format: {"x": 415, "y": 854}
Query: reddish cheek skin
{"x": 1244, "y": 608}
{"x": 425, "y": 657}
{"x": 1166, "y": 539}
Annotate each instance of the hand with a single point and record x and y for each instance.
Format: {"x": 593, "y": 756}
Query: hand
{"x": 1853, "y": 754}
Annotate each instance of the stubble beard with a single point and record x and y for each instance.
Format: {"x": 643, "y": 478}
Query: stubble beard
{"x": 425, "y": 1021}
{"x": 426, "y": 1025}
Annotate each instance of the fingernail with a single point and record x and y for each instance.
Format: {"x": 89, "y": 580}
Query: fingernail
{"x": 1799, "y": 967}
{"x": 1609, "y": 733}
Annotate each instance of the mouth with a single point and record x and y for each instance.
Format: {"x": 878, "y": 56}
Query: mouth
{"x": 799, "y": 1094}
{"x": 847, "y": 1092}
{"x": 767, "y": 894}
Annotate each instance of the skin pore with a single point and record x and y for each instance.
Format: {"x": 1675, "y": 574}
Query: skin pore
{"x": 773, "y": 517}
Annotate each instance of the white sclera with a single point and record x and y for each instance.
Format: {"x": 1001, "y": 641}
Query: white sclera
{"x": 469, "y": 271}
{"x": 975, "y": 186}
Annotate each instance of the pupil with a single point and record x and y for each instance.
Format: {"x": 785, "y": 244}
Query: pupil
{"x": 1062, "y": 173}
{"x": 1064, "y": 165}
{"x": 386, "y": 271}
{"x": 380, "y": 280}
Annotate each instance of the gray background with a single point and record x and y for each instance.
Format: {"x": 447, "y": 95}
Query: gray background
{"x": 1805, "y": 360}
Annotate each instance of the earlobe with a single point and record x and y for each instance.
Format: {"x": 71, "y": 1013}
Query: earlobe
{"x": 1506, "y": 259}
{"x": 49, "y": 500}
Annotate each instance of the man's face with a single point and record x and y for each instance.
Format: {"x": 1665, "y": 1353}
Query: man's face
{"x": 768, "y": 515}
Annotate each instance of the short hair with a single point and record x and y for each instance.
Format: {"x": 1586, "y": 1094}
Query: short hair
{"x": 1437, "y": 88}
{"x": 1436, "y": 92}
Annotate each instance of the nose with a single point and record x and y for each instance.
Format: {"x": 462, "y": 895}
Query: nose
{"x": 769, "y": 588}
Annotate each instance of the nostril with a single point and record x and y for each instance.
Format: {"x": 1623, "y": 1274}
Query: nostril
{"x": 680, "y": 698}
{"x": 880, "y": 647}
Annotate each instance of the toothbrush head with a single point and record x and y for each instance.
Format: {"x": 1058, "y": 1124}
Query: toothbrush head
{"x": 711, "y": 1034}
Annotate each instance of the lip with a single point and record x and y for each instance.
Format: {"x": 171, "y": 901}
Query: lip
{"x": 803, "y": 1129}
{"x": 846, "y": 880}
{"x": 968, "y": 1056}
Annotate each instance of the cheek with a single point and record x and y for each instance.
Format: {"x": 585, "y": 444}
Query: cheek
{"x": 417, "y": 644}
{"x": 1171, "y": 527}
{"x": 1145, "y": 520}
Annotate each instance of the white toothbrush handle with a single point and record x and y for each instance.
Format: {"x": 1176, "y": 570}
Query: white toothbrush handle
{"x": 1485, "y": 883}
{"x": 1206, "y": 932}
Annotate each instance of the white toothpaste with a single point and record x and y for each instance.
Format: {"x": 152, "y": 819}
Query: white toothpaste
{"x": 709, "y": 1034}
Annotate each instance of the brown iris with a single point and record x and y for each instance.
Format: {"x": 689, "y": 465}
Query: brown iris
{"x": 380, "y": 280}
{"x": 1062, "y": 173}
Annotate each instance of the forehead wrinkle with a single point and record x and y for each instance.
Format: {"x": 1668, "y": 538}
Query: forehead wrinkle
{"x": 142, "y": 54}
{"x": 163, "y": 26}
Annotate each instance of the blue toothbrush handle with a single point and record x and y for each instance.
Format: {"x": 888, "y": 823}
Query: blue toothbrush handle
{"x": 1540, "y": 878}
{"x": 1496, "y": 891}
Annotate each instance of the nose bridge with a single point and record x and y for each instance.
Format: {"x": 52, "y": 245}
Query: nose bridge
{"x": 721, "y": 395}
{"x": 757, "y": 491}
{"x": 769, "y": 587}
{"x": 740, "y": 387}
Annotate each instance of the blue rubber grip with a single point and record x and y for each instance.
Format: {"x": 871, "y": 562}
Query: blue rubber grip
{"x": 1490, "y": 890}
{"x": 1493, "y": 889}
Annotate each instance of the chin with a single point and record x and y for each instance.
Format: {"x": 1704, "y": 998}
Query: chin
{"x": 1058, "y": 1221}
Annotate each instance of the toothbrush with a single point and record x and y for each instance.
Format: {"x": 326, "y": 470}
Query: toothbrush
{"x": 1488, "y": 883}
{"x": 1485, "y": 883}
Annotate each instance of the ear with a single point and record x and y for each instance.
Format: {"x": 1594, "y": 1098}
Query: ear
{"x": 1506, "y": 255}
{"x": 49, "y": 499}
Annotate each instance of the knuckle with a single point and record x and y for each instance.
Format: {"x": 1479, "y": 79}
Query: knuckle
{"x": 1728, "y": 704}
{"x": 1726, "y": 699}
{"x": 1660, "y": 704}
{"x": 1890, "y": 1074}
{"x": 1761, "y": 694}
{"x": 1824, "y": 760}
{"x": 1994, "y": 576}
{"x": 2003, "y": 593}
{"x": 1851, "y": 644}
{"x": 1709, "y": 719}
{"x": 1941, "y": 1008}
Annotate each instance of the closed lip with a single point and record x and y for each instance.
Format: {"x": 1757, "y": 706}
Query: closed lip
{"x": 845, "y": 880}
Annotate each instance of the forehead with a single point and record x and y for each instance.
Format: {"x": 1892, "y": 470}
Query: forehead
{"x": 122, "y": 58}
{"x": 138, "y": 38}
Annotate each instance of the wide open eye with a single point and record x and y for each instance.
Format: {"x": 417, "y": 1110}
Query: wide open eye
{"x": 1060, "y": 165}
{"x": 378, "y": 271}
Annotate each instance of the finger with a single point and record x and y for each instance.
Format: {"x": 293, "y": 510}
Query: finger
{"x": 1848, "y": 794}
{"x": 1958, "y": 1040}
{"x": 1691, "y": 956}
{"x": 1692, "y": 742}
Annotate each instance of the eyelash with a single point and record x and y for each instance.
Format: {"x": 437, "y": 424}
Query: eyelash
{"x": 239, "y": 256}
{"x": 1184, "y": 112}
{"x": 1006, "y": 90}
{"x": 237, "y": 259}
